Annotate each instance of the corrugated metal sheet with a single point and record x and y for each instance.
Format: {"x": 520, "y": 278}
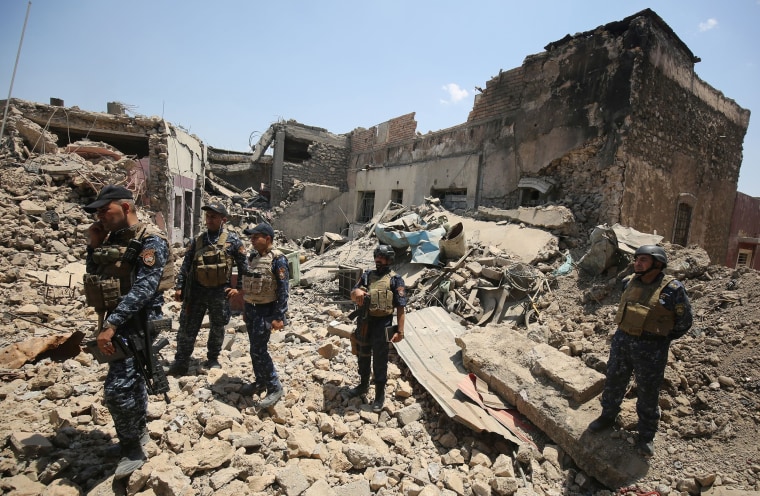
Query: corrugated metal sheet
{"x": 432, "y": 355}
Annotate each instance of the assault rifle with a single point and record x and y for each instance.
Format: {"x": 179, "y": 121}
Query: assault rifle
{"x": 141, "y": 347}
{"x": 360, "y": 336}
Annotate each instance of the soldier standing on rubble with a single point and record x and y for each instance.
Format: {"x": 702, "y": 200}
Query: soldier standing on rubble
{"x": 203, "y": 284}
{"x": 386, "y": 291}
{"x": 654, "y": 310}
{"x": 137, "y": 258}
{"x": 266, "y": 290}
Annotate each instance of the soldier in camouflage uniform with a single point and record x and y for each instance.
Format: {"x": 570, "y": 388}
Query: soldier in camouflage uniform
{"x": 654, "y": 310}
{"x": 141, "y": 285}
{"x": 266, "y": 291}
{"x": 204, "y": 284}
{"x": 386, "y": 291}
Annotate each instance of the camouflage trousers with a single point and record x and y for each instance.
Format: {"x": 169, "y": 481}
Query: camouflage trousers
{"x": 126, "y": 398}
{"x": 258, "y": 323}
{"x": 374, "y": 351}
{"x": 646, "y": 360}
{"x": 213, "y": 301}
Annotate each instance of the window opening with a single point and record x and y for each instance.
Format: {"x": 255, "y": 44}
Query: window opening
{"x": 178, "y": 211}
{"x": 366, "y": 206}
{"x": 744, "y": 259}
{"x": 683, "y": 222}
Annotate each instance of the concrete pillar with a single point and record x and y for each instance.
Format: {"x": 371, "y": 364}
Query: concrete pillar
{"x": 275, "y": 181}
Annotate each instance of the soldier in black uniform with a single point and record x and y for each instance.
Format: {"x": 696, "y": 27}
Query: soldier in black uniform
{"x": 204, "y": 284}
{"x": 386, "y": 292}
{"x": 266, "y": 290}
{"x": 654, "y": 310}
{"x": 135, "y": 261}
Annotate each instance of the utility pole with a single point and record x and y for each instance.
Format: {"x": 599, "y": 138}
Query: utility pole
{"x": 13, "y": 77}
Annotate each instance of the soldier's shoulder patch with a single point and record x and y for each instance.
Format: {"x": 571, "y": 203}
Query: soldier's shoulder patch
{"x": 281, "y": 273}
{"x": 680, "y": 309}
{"x": 674, "y": 284}
{"x": 148, "y": 257}
{"x": 401, "y": 290}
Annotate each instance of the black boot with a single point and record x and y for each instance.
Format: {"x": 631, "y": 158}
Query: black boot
{"x": 359, "y": 390}
{"x": 377, "y": 405}
{"x": 603, "y": 422}
{"x": 133, "y": 457}
{"x": 274, "y": 393}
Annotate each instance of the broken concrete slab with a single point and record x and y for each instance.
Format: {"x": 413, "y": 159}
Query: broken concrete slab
{"x": 553, "y": 217}
{"x": 581, "y": 383}
{"x": 509, "y": 363}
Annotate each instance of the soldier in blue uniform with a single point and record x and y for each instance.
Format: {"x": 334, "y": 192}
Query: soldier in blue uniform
{"x": 204, "y": 284}
{"x": 386, "y": 292}
{"x": 137, "y": 259}
{"x": 266, "y": 290}
{"x": 654, "y": 310}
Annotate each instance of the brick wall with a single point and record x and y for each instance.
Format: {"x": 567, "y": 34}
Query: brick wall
{"x": 502, "y": 95}
{"x": 399, "y": 129}
{"x": 328, "y": 165}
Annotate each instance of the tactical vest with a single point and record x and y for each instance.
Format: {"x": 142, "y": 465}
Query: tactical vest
{"x": 260, "y": 286}
{"x": 640, "y": 309}
{"x": 380, "y": 294}
{"x": 212, "y": 264}
{"x": 116, "y": 259}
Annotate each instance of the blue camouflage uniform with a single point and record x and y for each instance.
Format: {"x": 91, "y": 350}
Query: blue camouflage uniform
{"x": 197, "y": 299}
{"x": 374, "y": 351}
{"x": 258, "y": 322}
{"x": 645, "y": 356}
{"x": 125, "y": 393}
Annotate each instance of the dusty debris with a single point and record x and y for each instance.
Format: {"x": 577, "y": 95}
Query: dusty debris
{"x": 316, "y": 439}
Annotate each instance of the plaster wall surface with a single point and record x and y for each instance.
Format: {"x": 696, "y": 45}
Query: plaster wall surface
{"x": 186, "y": 154}
{"x": 417, "y": 181}
{"x": 313, "y": 210}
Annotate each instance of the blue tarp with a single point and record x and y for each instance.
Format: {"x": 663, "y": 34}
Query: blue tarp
{"x": 424, "y": 244}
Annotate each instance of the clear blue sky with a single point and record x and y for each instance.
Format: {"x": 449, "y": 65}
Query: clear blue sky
{"x": 226, "y": 69}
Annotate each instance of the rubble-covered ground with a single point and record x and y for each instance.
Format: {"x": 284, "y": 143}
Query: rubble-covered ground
{"x": 211, "y": 440}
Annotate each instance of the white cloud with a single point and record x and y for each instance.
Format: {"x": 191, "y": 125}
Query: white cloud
{"x": 455, "y": 93}
{"x": 708, "y": 25}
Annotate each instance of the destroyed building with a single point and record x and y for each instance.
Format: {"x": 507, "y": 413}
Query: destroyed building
{"x": 613, "y": 123}
{"x": 169, "y": 163}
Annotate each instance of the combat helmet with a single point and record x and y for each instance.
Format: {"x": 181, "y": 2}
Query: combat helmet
{"x": 656, "y": 252}
{"x": 385, "y": 251}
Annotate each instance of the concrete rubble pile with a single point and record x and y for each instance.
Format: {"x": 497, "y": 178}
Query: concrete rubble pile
{"x": 211, "y": 440}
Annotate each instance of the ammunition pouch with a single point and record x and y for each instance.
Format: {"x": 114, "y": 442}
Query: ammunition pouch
{"x": 212, "y": 275}
{"x": 259, "y": 288}
{"x": 106, "y": 254}
{"x": 102, "y": 294}
{"x": 381, "y": 302}
{"x": 213, "y": 265}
